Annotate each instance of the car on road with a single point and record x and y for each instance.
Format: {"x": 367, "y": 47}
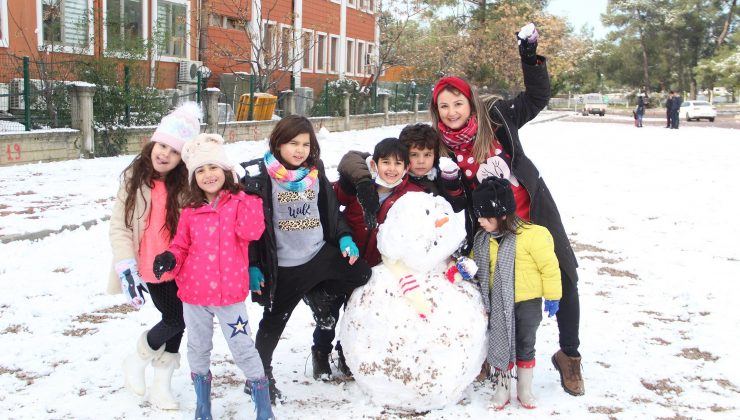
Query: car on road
{"x": 696, "y": 110}
{"x": 593, "y": 103}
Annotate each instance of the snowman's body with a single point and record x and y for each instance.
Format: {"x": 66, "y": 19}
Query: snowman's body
{"x": 398, "y": 358}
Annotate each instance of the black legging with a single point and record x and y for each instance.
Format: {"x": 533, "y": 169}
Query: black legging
{"x": 568, "y": 316}
{"x": 170, "y": 329}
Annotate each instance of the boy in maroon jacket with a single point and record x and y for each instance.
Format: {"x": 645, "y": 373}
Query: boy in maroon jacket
{"x": 389, "y": 165}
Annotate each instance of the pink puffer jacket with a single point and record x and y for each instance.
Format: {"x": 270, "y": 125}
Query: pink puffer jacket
{"x": 211, "y": 249}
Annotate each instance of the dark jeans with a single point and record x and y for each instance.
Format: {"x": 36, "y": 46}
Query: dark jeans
{"x": 169, "y": 330}
{"x": 327, "y": 267}
{"x": 322, "y": 338}
{"x": 674, "y": 120}
{"x": 568, "y": 316}
{"x": 528, "y": 315}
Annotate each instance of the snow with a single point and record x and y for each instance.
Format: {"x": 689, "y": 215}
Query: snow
{"x": 651, "y": 213}
{"x": 399, "y": 359}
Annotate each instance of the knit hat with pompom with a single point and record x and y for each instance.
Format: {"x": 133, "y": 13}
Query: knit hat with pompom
{"x": 179, "y": 126}
{"x": 204, "y": 149}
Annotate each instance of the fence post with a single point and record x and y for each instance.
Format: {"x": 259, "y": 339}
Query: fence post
{"x": 127, "y": 91}
{"x": 384, "y": 98}
{"x": 198, "y": 87}
{"x": 289, "y": 102}
{"x": 347, "y": 124}
{"x": 416, "y": 107}
{"x": 326, "y": 97}
{"x": 395, "y": 100}
{"x": 250, "y": 114}
{"x": 82, "y": 116}
{"x": 26, "y": 94}
{"x": 211, "y": 108}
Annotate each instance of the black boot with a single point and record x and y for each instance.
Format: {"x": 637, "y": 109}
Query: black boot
{"x": 321, "y": 368}
{"x": 275, "y": 394}
{"x": 342, "y": 363}
{"x": 320, "y": 303}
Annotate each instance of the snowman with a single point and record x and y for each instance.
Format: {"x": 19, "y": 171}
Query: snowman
{"x": 415, "y": 335}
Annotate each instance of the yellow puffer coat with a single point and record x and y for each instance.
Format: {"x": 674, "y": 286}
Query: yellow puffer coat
{"x": 536, "y": 269}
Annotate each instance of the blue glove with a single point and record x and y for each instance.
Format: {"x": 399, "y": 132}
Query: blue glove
{"x": 256, "y": 280}
{"x": 131, "y": 283}
{"x": 347, "y": 245}
{"x": 551, "y": 307}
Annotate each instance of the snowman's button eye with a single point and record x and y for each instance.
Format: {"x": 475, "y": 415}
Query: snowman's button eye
{"x": 435, "y": 243}
{"x": 427, "y": 212}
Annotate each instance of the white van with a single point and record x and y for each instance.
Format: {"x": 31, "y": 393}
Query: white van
{"x": 593, "y": 103}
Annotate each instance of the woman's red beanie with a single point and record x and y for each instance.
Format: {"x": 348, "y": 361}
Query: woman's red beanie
{"x": 453, "y": 81}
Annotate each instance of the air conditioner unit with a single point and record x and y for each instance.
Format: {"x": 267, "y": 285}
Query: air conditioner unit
{"x": 189, "y": 71}
{"x": 4, "y": 96}
{"x": 15, "y": 100}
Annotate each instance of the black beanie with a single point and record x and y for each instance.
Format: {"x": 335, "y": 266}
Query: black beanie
{"x": 493, "y": 198}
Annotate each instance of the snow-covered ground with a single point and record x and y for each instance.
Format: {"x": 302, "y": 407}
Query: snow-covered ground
{"x": 652, "y": 214}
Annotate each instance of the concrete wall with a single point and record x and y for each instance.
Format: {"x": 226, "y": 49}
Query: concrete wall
{"x": 41, "y": 146}
{"x": 48, "y": 146}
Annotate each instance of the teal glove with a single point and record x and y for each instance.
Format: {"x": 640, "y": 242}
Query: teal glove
{"x": 347, "y": 245}
{"x": 256, "y": 280}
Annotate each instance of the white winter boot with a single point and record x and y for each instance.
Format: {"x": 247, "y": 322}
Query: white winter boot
{"x": 502, "y": 382}
{"x": 160, "y": 393}
{"x": 524, "y": 387}
{"x": 135, "y": 364}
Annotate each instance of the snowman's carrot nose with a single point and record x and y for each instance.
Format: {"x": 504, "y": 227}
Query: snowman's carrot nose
{"x": 441, "y": 222}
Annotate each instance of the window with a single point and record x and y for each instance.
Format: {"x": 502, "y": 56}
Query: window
{"x": 370, "y": 60}
{"x": 307, "y": 48}
{"x": 268, "y": 42}
{"x": 3, "y": 23}
{"x": 124, "y": 24}
{"x": 320, "y": 52}
{"x": 360, "y": 66}
{"x": 371, "y": 6}
{"x": 351, "y": 3}
{"x": 350, "y": 57}
{"x": 172, "y": 28}
{"x": 286, "y": 46}
{"x": 65, "y": 23}
{"x": 232, "y": 23}
{"x": 333, "y": 53}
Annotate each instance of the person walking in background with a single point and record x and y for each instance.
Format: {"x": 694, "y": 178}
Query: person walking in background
{"x": 209, "y": 259}
{"x": 675, "y": 107}
{"x": 143, "y": 222}
{"x": 640, "y": 110}
{"x": 668, "y": 109}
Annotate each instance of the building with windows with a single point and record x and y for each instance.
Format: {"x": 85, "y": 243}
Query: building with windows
{"x": 310, "y": 41}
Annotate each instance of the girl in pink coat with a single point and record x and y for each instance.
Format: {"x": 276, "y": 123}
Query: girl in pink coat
{"x": 210, "y": 262}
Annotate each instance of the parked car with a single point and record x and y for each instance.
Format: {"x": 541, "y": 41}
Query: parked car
{"x": 593, "y": 103}
{"x": 696, "y": 110}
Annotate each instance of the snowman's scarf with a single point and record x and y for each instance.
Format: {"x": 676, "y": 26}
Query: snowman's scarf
{"x": 498, "y": 298}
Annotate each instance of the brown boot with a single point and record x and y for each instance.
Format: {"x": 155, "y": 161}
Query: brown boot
{"x": 485, "y": 372}
{"x": 570, "y": 373}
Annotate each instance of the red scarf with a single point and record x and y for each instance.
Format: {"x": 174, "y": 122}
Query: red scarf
{"x": 457, "y": 138}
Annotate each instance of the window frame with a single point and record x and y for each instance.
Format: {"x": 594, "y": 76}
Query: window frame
{"x": 360, "y": 47}
{"x": 88, "y": 49}
{"x": 188, "y": 31}
{"x": 349, "y": 59}
{"x": 144, "y": 28}
{"x": 323, "y": 60}
{"x": 310, "y": 53}
{"x": 290, "y": 57}
{"x": 265, "y": 28}
{"x": 334, "y": 54}
{"x": 4, "y": 38}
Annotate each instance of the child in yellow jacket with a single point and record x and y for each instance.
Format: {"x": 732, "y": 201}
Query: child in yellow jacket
{"x": 517, "y": 268}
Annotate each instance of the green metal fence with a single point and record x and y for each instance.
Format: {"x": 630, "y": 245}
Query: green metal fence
{"x": 33, "y": 93}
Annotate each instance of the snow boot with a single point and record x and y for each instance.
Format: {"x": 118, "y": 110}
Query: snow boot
{"x": 570, "y": 373}
{"x": 275, "y": 394}
{"x": 320, "y": 303}
{"x": 321, "y": 368}
{"x": 160, "y": 393}
{"x": 202, "y": 384}
{"x": 261, "y": 398}
{"x": 134, "y": 365}
{"x": 502, "y": 382}
{"x": 524, "y": 375}
{"x": 485, "y": 372}
{"x": 342, "y": 363}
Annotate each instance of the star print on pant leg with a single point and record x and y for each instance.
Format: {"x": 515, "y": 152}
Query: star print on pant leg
{"x": 240, "y": 327}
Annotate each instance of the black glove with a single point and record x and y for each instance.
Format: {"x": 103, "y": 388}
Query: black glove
{"x": 368, "y": 198}
{"x": 163, "y": 263}
{"x": 527, "y": 38}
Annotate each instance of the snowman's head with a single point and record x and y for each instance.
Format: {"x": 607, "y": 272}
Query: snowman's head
{"x": 421, "y": 230}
